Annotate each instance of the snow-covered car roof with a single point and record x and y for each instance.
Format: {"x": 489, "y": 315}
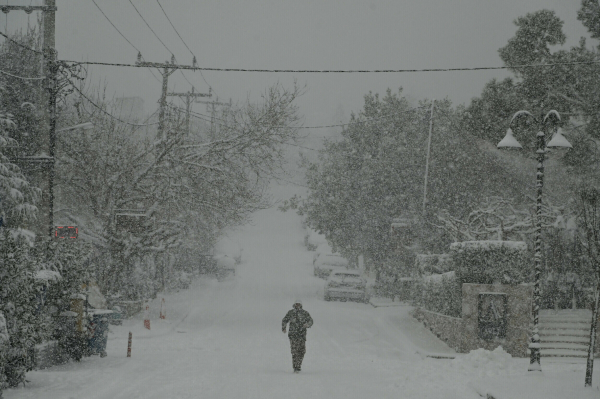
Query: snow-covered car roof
{"x": 331, "y": 260}
{"x": 345, "y": 274}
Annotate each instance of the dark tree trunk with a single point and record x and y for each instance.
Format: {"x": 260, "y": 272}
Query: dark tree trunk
{"x": 593, "y": 329}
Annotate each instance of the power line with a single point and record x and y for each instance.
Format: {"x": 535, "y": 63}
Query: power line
{"x": 159, "y": 39}
{"x": 195, "y": 68}
{"x": 108, "y": 113}
{"x": 122, "y": 35}
{"x": 21, "y": 77}
{"x": 206, "y": 118}
{"x": 175, "y": 29}
{"x": 149, "y": 27}
{"x": 183, "y": 41}
{"x": 20, "y": 44}
{"x": 113, "y": 25}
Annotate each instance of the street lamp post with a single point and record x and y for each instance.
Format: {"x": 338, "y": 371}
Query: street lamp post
{"x": 558, "y": 140}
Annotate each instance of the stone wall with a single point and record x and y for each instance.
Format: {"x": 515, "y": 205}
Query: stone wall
{"x": 462, "y": 334}
{"x": 448, "y": 329}
{"x": 518, "y": 318}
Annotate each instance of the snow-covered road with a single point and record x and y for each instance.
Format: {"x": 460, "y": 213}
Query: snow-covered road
{"x": 224, "y": 340}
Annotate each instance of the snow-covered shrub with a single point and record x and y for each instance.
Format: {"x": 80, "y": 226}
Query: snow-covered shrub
{"x": 4, "y": 345}
{"x": 488, "y": 262}
{"x": 69, "y": 258}
{"x": 438, "y": 293}
{"x": 19, "y": 304}
{"x": 433, "y": 263}
{"x": 482, "y": 362}
{"x": 17, "y": 196}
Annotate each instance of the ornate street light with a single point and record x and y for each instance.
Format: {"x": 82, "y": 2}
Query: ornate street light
{"x": 558, "y": 140}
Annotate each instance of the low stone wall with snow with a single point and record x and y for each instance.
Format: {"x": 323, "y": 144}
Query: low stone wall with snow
{"x": 464, "y": 334}
{"x": 448, "y": 329}
{"x": 518, "y": 317}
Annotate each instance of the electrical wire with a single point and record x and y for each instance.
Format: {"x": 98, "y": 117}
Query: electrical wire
{"x": 108, "y": 113}
{"x": 183, "y": 41}
{"x": 113, "y": 25}
{"x": 21, "y": 77}
{"x": 123, "y": 36}
{"x": 175, "y": 29}
{"x": 159, "y": 39}
{"x": 207, "y": 118}
{"x": 149, "y": 27}
{"x": 192, "y": 68}
{"x": 20, "y": 44}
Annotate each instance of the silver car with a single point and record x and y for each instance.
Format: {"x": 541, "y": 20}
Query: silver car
{"x": 346, "y": 285}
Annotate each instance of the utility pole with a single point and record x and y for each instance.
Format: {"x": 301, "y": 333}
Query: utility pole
{"x": 427, "y": 159}
{"x": 50, "y": 69}
{"x": 212, "y": 105}
{"x": 166, "y": 70}
{"x": 189, "y": 98}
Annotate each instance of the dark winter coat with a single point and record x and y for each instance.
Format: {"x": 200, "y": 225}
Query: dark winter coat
{"x": 298, "y": 318}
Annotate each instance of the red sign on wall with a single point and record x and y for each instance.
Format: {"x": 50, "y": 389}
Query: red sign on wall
{"x": 66, "y": 232}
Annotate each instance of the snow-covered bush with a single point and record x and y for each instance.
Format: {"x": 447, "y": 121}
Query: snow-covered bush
{"x": 19, "y": 305}
{"x": 4, "y": 345}
{"x": 438, "y": 293}
{"x": 488, "y": 262}
{"x": 69, "y": 258}
{"x": 17, "y": 197}
{"x": 433, "y": 263}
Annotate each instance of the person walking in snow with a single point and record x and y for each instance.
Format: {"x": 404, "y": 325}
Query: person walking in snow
{"x": 299, "y": 320}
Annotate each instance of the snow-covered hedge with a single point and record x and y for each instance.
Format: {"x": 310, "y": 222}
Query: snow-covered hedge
{"x": 488, "y": 262}
{"x": 438, "y": 293}
{"x": 433, "y": 263}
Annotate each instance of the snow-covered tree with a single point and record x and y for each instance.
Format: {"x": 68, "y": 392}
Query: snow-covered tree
{"x": 589, "y": 234}
{"x": 376, "y": 173}
{"x": 186, "y": 186}
{"x": 571, "y": 88}
{"x": 18, "y": 304}
{"x": 498, "y": 218}
{"x": 4, "y": 347}
{"x": 17, "y": 196}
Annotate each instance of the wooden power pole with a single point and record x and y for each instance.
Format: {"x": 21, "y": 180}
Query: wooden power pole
{"x": 212, "y": 105}
{"x": 189, "y": 98}
{"x": 45, "y": 162}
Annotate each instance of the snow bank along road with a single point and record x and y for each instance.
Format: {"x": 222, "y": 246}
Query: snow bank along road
{"x": 224, "y": 340}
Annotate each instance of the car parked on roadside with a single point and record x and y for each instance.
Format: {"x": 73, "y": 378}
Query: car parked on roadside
{"x": 325, "y": 263}
{"x": 346, "y": 285}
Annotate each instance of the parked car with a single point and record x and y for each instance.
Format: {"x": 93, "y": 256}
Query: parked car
{"x": 325, "y": 263}
{"x": 225, "y": 266}
{"x": 346, "y": 285}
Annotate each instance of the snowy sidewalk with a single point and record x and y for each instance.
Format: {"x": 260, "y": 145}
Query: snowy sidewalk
{"x": 379, "y": 302}
{"x": 535, "y": 385}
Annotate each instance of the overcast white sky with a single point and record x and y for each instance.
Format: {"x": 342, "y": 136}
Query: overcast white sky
{"x": 292, "y": 34}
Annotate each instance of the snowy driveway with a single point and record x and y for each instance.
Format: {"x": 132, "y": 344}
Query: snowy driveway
{"x": 224, "y": 340}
